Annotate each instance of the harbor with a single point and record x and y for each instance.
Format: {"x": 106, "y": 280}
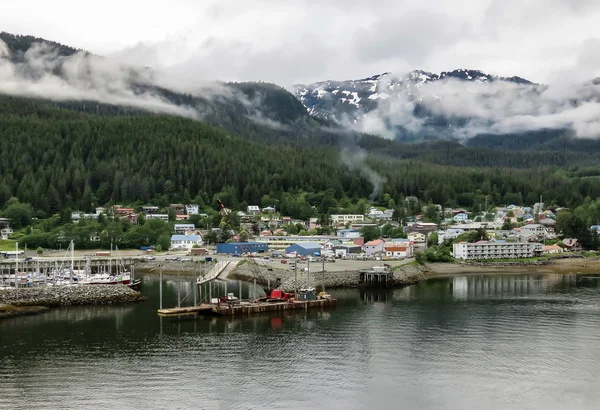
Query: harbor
{"x": 67, "y": 270}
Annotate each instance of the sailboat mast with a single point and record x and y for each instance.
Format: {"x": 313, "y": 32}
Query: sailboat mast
{"x": 72, "y": 246}
{"x": 16, "y": 263}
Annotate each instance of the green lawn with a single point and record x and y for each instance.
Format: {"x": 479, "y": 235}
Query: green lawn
{"x": 8, "y": 245}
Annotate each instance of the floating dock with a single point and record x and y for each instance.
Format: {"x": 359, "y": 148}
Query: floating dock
{"x": 246, "y": 308}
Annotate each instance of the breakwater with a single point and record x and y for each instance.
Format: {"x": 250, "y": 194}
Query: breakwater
{"x": 12, "y": 301}
{"x": 403, "y": 276}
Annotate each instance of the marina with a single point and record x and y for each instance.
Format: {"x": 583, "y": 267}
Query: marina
{"x": 67, "y": 271}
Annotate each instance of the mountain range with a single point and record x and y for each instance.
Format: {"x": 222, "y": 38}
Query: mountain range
{"x": 448, "y": 117}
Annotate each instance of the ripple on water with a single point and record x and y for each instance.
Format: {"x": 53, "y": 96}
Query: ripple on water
{"x": 535, "y": 347}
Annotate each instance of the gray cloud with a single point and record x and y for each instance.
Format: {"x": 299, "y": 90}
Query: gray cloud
{"x": 82, "y": 77}
{"x": 310, "y": 40}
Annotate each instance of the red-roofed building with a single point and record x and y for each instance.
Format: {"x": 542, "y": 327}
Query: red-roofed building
{"x": 124, "y": 211}
{"x": 405, "y": 250}
{"x": 552, "y": 249}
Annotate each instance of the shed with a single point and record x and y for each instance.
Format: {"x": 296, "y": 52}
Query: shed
{"x": 238, "y": 248}
{"x": 304, "y": 249}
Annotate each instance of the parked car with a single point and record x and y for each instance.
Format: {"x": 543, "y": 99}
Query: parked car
{"x": 284, "y": 261}
{"x": 185, "y": 260}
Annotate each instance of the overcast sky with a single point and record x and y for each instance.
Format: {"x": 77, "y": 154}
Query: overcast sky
{"x": 303, "y": 41}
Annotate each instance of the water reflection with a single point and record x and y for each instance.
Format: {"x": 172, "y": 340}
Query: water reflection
{"x": 519, "y": 342}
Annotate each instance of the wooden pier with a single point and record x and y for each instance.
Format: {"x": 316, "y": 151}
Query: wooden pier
{"x": 246, "y": 308}
{"x": 377, "y": 276}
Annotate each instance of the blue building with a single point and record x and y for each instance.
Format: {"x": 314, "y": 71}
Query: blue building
{"x": 304, "y": 249}
{"x": 238, "y": 248}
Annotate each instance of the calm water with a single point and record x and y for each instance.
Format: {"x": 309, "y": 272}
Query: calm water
{"x": 493, "y": 342}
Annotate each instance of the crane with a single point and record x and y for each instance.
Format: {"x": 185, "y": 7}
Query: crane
{"x": 257, "y": 272}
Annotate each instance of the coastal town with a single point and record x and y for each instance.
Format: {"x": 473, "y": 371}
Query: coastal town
{"x": 509, "y": 232}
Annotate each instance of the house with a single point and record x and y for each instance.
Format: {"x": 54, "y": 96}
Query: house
{"x": 76, "y": 216}
{"x": 304, "y": 249}
{"x": 572, "y": 244}
{"x": 387, "y": 214}
{"x": 192, "y": 209}
{"x": 548, "y": 249}
{"x": 185, "y": 241}
{"x": 533, "y": 230}
{"x": 449, "y": 234}
{"x": 100, "y": 210}
{"x": 460, "y": 217}
{"x": 163, "y": 217}
{"x": 399, "y": 250}
{"x": 330, "y": 244}
{"x": 548, "y": 223}
{"x": 417, "y": 237}
{"x": 346, "y": 250}
{"x": 268, "y": 209}
{"x": 148, "y": 209}
{"x": 5, "y": 232}
{"x": 182, "y": 217}
{"x": 240, "y": 214}
{"x": 344, "y": 219}
{"x": 423, "y": 227}
{"x": 496, "y": 250}
{"x": 253, "y": 210}
{"x": 374, "y": 246}
{"x": 178, "y": 208}
{"x": 183, "y": 228}
{"x": 348, "y": 233}
{"x": 123, "y": 211}
{"x": 375, "y": 213}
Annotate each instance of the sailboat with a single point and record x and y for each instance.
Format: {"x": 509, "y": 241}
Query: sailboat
{"x": 122, "y": 276}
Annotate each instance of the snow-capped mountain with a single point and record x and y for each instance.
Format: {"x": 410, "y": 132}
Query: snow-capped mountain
{"x": 352, "y": 101}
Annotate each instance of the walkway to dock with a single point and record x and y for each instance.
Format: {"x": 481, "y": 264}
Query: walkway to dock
{"x": 219, "y": 271}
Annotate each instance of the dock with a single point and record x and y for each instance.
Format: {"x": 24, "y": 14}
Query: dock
{"x": 246, "y": 308}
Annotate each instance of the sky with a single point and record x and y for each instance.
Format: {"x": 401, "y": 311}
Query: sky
{"x": 304, "y": 41}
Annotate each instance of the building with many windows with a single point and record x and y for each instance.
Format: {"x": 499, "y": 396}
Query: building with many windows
{"x": 496, "y": 250}
{"x": 344, "y": 219}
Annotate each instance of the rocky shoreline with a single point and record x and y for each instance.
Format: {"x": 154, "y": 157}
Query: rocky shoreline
{"x": 17, "y": 302}
{"x": 403, "y": 276}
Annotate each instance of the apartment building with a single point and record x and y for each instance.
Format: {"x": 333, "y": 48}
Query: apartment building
{"x": 343, "y": 219}
{"x": 496, "y": 250}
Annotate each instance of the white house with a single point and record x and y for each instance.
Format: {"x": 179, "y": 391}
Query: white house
{"x": 163, "y": 217}
{"x": 449, "y": 234}
{"x": 253, "y": 210}
{"x": 192, "y": 209}
{"x": 533, "y": 230}
{"x": 183, "y": 228}
{"x": 416, "y": 237}
{"x": 460, "y": 217}
{"x": 348, "y": 233}
{"x": 375, "y": 213}
{"x": 5, "y": 233}
{"x": 374, "y": 246}
{"x": 185, "y": 241}
{"x": 399, "y": 249}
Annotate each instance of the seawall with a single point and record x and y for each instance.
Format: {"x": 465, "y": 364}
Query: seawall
{"x": 403, "y": 276}
{"x": 14, "y": 301}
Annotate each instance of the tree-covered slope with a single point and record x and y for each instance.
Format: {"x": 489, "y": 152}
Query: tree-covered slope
{"x": 55, "y": 158}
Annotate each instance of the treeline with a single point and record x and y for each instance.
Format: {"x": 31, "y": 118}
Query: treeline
{"x": 60, "y": 159}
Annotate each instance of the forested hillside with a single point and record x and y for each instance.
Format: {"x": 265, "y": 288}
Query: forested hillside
{"x": 55, "y": 159}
